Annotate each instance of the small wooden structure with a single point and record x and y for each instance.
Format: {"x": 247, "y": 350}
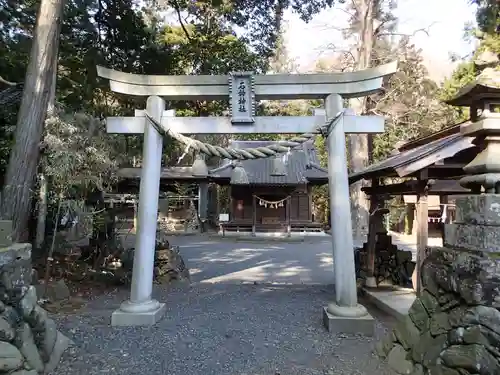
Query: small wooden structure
{"x": 430, "y": 165}
{"x": 169, "y": 199}
{"x": 130, "y": 177}
{"x": 273, "y": 201}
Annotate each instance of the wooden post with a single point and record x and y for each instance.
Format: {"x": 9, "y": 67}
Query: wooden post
{"x": 254, "y": 214}
{"x": 230, "y": 208}
{"x": 309, "y": 202}
{"x": 422, "y": 229}
{"x": 135, "y": 215}
{"x": 372, "y": 238}
{"x": 288, "y": 210}
{"x": 443, "y": 202}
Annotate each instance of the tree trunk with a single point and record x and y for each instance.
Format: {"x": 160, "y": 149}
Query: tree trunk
{"x": 43, "y": 184}
{"x": 22, "y": 169}
{"x": 359, "y": 145}
{"x": 42, "y": 211}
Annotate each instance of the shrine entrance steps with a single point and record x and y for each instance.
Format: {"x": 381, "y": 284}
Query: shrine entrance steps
{"x": 395, "y": 301}
{"x": 271, "y": 230}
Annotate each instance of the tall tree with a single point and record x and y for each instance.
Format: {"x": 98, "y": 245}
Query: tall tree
{"x": 22, "y": 169}
{"x": 369, "y": 22}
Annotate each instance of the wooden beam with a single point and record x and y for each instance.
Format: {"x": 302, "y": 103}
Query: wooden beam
{"x": 412, "y": 187}
{"x": 445, "y": 171}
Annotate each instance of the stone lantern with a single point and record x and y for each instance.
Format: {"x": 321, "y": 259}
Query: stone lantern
{"x": 483, "y": 99}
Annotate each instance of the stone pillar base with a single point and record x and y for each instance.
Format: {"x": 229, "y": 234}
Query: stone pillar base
{"x": 371, "y": 282}
{"x": 126, "y": 317}
{"x": 363, "y": 325}
{"x": 352, "y": 320}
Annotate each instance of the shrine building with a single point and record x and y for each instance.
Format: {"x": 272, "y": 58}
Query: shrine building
{"x": 272, "y": 195}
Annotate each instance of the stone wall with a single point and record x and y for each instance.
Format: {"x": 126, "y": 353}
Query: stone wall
{"x": 453, "y": 328}
{"x": 29, "y": 340}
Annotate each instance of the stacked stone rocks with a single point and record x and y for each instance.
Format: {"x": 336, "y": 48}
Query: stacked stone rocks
{"x": 392, "y": 266}
{"x": 191, "y": 224}
{"x": 453, "y": 328}
{"x": 30, "y": 343}
{"x": 169, "y": 264}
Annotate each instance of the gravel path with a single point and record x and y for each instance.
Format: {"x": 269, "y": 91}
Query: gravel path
{"x": 220, "y": 326}
{"x": 219, "y": 329}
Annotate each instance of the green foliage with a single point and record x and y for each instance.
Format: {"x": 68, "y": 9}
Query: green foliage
{"x": 410, "y": 102}
{"x": 488, "y": 36}
{"x": 464, "y": 74}
{"x": 134, "y": 37}
{"x": 78, "y": 157}
{"x": 488, "y": 15}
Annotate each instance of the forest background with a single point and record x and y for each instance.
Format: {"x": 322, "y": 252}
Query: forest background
{"x": 52, "y": 137}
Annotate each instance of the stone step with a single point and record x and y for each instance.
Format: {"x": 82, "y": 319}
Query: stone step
{"x": 394, "y": 301}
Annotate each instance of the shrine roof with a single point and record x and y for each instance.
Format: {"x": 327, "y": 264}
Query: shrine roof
{"x": 302, "y": 166}
{"x": 436, "y": 187}
{"x": 408, "y": 162}
{"x": 167, "y": 173}
{"x": 415, "y": 142}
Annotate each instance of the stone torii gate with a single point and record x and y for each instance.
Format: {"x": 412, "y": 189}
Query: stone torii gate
{"x": 243, "y": 89}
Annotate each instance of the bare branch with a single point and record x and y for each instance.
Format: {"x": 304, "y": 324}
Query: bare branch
{"x": 179, "y": 18}
{"x": 346, "y": 12}
{"x": 422, "y": 30}
{"x": 355, "y": 5}
{"x": 8, "y": 83}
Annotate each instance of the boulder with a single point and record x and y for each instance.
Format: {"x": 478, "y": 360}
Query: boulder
{"x": 428, "y": 345}
{"x": 418, "y": 369}
{"x": 398, "y": 362}
{"x": 442, "y": 370}
{"x": 418, "y": 315}
{"x": 436, "y": 346}
{"x": 473, "y": 358}
{"x": 7, "y": 333}
{"x": 10, "y": 357}
{"x": 406, "y": 333}
{"x": 430, "y": 302}
{"x": 439, "y": 324}
{"x": 384, "y": 346}
{"x": 25, "y": 342}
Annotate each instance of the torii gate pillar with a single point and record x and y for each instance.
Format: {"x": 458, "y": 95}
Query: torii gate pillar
{"x": 141, "y": 308}
{"x": 345, "y": 314}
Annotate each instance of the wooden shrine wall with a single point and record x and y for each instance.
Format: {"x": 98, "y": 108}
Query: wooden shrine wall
{"x": 242, "y": 203}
